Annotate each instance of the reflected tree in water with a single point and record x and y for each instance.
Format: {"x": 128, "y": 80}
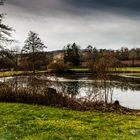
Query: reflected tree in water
{"x": 71, "y": 88}
{"x": 33, "y": 45}
{"x": 102, "y": 67}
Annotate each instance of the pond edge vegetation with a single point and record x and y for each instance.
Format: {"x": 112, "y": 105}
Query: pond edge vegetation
{"x": 50, "y": 97}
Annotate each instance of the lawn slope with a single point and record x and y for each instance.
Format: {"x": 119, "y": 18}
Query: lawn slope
{"x": 31, "y": 122}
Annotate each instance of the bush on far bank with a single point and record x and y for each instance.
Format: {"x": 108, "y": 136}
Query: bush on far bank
{"x": 56, "y": 67}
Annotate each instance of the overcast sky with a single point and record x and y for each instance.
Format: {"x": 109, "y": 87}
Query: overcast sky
{"x": 100, "y": 23}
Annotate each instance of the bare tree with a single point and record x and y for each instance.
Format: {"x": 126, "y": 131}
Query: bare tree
{"x": 32, "y": 46}
{"x": 102, "y": 68}
{"x": 132, "y": 56}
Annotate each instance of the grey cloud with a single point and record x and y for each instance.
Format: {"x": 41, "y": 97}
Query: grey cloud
{"x": 68, "y": 8}
{"x": 38, "y": 6}
{"x": 59, "y": 22}
{"x": 128, "y": 4}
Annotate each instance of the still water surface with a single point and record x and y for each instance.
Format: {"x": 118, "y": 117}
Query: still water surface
{"x": 87, "y": 87}
{"x": 124, "y": 89}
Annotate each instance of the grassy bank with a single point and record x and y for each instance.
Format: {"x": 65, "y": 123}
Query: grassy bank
{"x": 134, "y": 75}
{"x": 119, "y": 70}
{"x": 12, "y": 73}
{"x": 80, "y": 70}
{"x": 76, "y": 70}
{"x": 28, "y": 122}
{"x": 126, "y": 69}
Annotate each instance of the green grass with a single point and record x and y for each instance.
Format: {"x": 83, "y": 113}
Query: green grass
{"x": 127, "y": 69}
{"x": 80, "y": 69}
{"x": 28, "y": 122}
{"x": 11, "y": 73}
{"x": 134, "y": 75}
{"x": 123, "y": 70}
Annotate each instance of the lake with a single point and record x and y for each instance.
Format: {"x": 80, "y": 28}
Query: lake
{"x": 87, "y": 87}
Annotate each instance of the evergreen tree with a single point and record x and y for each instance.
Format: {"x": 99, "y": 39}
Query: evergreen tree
{"x": 72, "y": 54}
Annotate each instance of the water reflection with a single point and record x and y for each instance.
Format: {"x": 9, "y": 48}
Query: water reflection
{"x": 126, "y": 90}
{"x": 87, "y": 87}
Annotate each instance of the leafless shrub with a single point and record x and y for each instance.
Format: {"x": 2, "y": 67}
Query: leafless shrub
{"x": 50, "y": 97}
{"x": 57, "y": 66}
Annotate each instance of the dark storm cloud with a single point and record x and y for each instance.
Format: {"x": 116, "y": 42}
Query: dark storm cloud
{"x": 124, "y": 4}
{"x": 130, "y": 4}
{"x": 103, "y": 23}
{"x": 78, "y": 7}
{"x": 45, "y": 7}
{"x": 38, "y": 4}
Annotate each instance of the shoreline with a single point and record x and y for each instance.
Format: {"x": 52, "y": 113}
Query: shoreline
{"x": 131, "y": 111}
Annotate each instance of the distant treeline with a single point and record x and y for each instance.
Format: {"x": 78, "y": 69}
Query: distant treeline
{"x": 70, "y": 56}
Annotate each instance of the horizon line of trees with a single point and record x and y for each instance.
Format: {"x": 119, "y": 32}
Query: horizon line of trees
{"x": 33, "y": 56}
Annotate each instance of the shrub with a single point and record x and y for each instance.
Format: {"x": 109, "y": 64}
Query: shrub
{"x": 50, "y": 97}
{"x": 56, "y": 67}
